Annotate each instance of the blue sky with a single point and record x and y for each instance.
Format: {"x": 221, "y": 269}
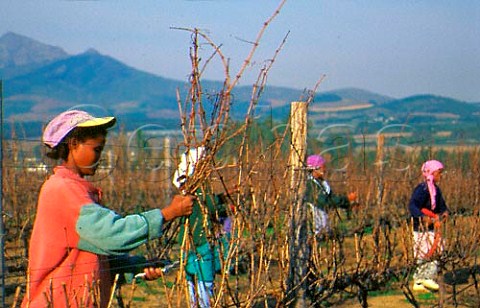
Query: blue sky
{"x": 396, "y": 48}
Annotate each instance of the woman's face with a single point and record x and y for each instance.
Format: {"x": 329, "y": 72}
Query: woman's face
{"x": 319, "y": 172}
{"x": 437, "y": 175}
{"x": 84, "y": 156}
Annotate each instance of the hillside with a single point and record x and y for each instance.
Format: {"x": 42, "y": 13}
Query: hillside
{"x": 87, "y": 79}
{"x": 41, "y": 80}
{"x": 21, "y": 55}
{"x": 442, "y": 109}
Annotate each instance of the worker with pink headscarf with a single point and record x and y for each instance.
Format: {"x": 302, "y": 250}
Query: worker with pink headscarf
{"x": 427, "y": 209}
{"x": 320, "y": 198}
{"x": 319, "y": 195}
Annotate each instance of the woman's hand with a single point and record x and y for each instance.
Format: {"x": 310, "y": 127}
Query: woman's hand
{"x": 352, "y": 197}
{"x": 152, "y": 273}
{"x": 430, "y": 221}
{"x": 180, "y": 206}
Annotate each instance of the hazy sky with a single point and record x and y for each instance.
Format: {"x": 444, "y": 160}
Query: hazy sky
{"x": 393, "y": 47}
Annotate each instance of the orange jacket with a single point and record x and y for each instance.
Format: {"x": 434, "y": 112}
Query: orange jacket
{"x": 71, "y": 239}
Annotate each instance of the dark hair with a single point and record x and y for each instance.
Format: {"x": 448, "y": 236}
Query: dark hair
{"x": 78, "y": 133}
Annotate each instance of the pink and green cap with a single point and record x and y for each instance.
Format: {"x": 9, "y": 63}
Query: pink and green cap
{"x": 65, "y": 122}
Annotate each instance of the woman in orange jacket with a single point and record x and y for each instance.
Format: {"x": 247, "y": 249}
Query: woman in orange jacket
{"x": 74, "y": 236}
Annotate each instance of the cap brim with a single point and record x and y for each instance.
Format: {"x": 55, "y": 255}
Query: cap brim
{"x": 107, "y": 122}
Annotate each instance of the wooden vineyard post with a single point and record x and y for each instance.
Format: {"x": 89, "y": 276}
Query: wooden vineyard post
{"x": 380, "y": 181}
{"x": 167, "y": 158}
{"x": 298, "y": 248}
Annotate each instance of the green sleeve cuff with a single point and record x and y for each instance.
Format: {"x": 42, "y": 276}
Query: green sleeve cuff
{"x": 154, "y": 221}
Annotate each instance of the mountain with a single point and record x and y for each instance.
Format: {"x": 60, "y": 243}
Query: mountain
{"x": 20, "y": 55}
{"x": 42, "y": 80}
{"x": 87, "y": 78}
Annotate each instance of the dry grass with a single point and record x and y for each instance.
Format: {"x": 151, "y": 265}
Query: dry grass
{"x": 371, "y": 252}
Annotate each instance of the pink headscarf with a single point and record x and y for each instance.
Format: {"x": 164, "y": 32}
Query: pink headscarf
{"x": 315, "y": 161}
{"x": 428, "y": 168}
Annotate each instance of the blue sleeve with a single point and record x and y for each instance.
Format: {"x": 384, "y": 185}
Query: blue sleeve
{"x": 104, "y": 232}
{"x": 418, "y": 200}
